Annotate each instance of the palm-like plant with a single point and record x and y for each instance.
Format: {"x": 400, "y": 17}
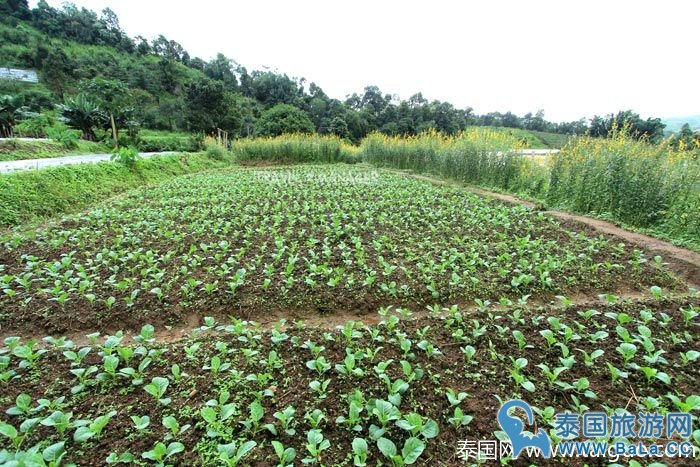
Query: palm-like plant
{"x": 81, "y": 113}
{"x": 8, "y": 112}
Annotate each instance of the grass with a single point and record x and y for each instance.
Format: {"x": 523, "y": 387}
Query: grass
{"x": 157, "y": 141}
{"x": 14, "y": 149}
{"x": 534, "y": 139}
{"x": 479, "y": 156}
{"x": 551, "y": 140}
{"x": 653, "y": 187}
{"x": 294, "y": 149}
{"x": 37, "y": 195}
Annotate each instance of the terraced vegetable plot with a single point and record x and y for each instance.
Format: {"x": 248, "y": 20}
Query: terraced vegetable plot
{"x": 347, "y": 396}
{"x": 251, "y": 242}
{"x": 464, "y": 304}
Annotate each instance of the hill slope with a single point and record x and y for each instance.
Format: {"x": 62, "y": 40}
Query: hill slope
{"x": 675, "y": 124}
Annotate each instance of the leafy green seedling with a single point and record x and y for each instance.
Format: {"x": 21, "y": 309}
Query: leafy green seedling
{"x": 123, "y": 458}
{"x": 411, "y": 451}
{"x": 173, "y": 425}
{"x": 231, "y": 454}
{"x": 416, "y": 425}
{"x": 92, "y": 429}
{"x": 359, "y": 451}
{"x": 157, "y": 388}
{"x": 315, "y": 445}
{"x": 160, "y": 452}
{"x": 454, "y": 398}
{"x": 285, "y": 455}
{"x": 286, "y": 419}
{"x": 459, "y": 419}
{"x": 141, "y": 423}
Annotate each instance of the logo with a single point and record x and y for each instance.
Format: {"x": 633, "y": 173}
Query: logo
{"x": 514, "y": 429}
{"x": 615, "y": 434}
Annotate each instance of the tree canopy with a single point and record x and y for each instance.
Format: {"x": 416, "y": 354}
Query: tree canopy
{"x": 172, "y": 90}
{"x": 281, "y": 119}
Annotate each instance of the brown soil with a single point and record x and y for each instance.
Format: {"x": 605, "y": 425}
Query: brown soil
{"x": 482, "y": 379}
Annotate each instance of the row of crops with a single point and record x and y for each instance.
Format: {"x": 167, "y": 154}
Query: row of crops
{"x": 399, "y": 392}
{"x": 433, "y": 306}
{"x": 643, "y": 185}
{"x": 303, "y": 237}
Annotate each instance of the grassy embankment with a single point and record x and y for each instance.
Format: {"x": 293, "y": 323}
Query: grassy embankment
{"x": 36, "y": 195}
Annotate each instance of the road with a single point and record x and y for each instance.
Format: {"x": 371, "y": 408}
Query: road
{"x": 34, "y": 164}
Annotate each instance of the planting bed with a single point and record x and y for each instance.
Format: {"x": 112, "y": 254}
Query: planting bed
{"x": 446, "y": 305}
{"x": 248, "y": 242}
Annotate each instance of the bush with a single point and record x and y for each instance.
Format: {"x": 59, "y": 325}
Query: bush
{"x": 127, "y": 156}
{"x": 283, "y": 119}
{"x": 67, "y": 138}
{"x": 215, "y": 151}
{"x": 191, "y": 143}
{"x": 36, "y": 126}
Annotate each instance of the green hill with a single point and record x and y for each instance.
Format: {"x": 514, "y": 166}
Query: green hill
{"x": 674, "y": 125}
{"x": 74, "y": 50}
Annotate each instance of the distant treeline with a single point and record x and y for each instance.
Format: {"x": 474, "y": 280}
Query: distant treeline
{"x": 169, "y": 89}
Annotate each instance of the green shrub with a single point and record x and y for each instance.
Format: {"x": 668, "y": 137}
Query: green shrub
{"x": 175, "y": 143}
{"x": 67, "y": 138}
{"x": 37, "y": 126}
{"x": 215, "y": 151}
{"x": 127, "y": 156}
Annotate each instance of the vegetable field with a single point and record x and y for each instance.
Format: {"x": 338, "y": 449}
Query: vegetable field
{"x": 342, "y": 315}
{"x": 251, "y": 242}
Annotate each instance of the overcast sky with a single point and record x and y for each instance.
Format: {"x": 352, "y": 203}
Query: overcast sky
{"x": 572, "y": 58}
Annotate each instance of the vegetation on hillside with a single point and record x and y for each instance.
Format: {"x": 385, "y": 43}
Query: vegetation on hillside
{"x": 83, "y": 58}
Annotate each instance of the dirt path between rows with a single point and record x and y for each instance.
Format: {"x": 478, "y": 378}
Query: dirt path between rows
{"x": 681, "y": 261}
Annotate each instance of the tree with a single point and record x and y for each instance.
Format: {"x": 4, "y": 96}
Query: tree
{"x": 281, "y": 119}
{"x": 246, "y": 112}
{"x": 272, "y": 88}
{"x": 685, "y": 139}
{"x": 651, "y": 129}
{"x": 205, "y": 104}
{"x": 142, "y": 46}
{"x": 112, "y": 96}
{"x": 221, "y": 69}
{"x": 55, "y": 67}
{"x": 14, "y": 8}
{"x": 339, "y": 127}
{"x": 83, "y": 114}
{"x": 536, "y": 123}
